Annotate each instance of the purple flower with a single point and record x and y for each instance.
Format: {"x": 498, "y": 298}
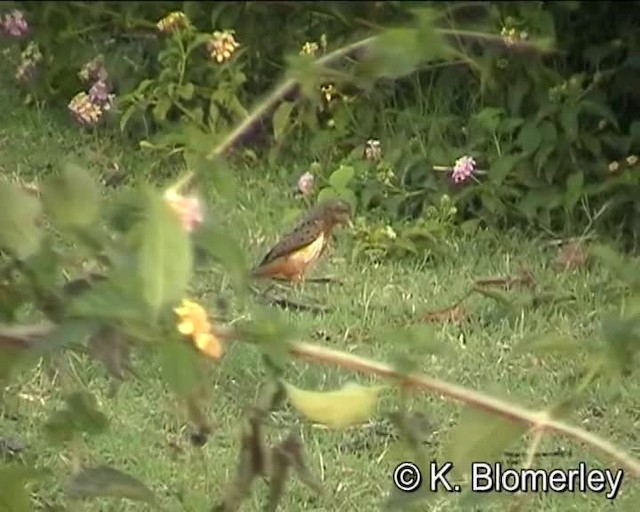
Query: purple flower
{"x": 14, "y": 24}
{"x": 463, "y": 169}
{"x": 100, "y": 95}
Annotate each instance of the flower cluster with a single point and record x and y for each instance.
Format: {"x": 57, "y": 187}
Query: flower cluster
{"x": 88, "y": 107}
{"x": 194, "y": 323}
{"x": 512, "y": 36}
{"x": 310, "y": 48}
{"x": 188, "y": 208}
{"x": 29, "y": 60}
{"x": 463, "y": 169}
{"x": 173, "y": 22}
{"x": 630, "y": 161}
{"x": 13, "y": 24}
{"x": 222, "y": 45}
{"x": 372, "y": 150}
{"x": 305, "y": 183}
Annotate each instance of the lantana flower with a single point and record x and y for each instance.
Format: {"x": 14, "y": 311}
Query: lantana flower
{"x": 193, "y": 322}
{"x": 14, "y": 24}
{"x": 222, "y": 45}
{"x": 463, "y": 169}
{"x": 305, "y": 183}
{"x": 173, "y": 21}
{"x": 188, "y": 208}
{"x": 84, "y": 110}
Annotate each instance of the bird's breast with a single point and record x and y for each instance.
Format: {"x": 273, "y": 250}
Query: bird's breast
{"x": 310, "y": 252}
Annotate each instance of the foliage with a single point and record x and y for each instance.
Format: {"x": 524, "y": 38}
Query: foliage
{"x": 552, "y": 131}
{"x": 536, "y": 128}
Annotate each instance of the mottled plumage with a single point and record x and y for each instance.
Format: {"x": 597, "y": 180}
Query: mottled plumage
{"x": 297, "y": 250}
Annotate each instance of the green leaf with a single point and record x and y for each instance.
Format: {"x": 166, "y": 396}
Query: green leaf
{"x": 224, "y": 248}
{"x": 575, "y": 183}
{"x": 80, "y": 415}
{"x": 395, "y": 53}
{"x": 282, "y": 119}
{"x": 341, "y": 177}
{"x": 165, "y": 255}
{"x": 221, "y": 178}
{"x": 179, "y": 363}
{"x": 622, "y": 334}
{"x": 186, "y": 91}
{"x": 351, "y": 405}
{"x": 489, "y": 118}
{"x": 19, "y": 232}
{"x": 349, "y": 196}
{"x": 480, "y": 436}
{"x": 161, "y": 108}
{"x": 569, "y": 121}
{"x": 327, "y": 193}
{"x": 501, "y": 168}
{"x": 13, "y": 479}
{"x": 530, "y": 137}
{"x": 516, "y": 94}
{"x": 601, "y": 110}
{"x": 71, "y": 198}
{"x": 108, "y": 482}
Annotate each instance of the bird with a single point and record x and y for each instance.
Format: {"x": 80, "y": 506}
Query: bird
{"x": 300, "y": 248}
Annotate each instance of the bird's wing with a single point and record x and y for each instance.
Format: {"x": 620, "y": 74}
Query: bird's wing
{"x": 304, "y": 234}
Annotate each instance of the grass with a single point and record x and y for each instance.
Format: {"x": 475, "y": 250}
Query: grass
{"x": 148, "y": 436}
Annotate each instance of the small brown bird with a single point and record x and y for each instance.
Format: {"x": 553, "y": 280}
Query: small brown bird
{"x": 296, "y": 251}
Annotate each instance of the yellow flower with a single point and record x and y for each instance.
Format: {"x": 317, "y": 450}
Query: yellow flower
{"x": 194, "y": 323}
{"x": 188, "y": 208}
{"x": 632, "y": 160}
{"x": 222, "y": 45}
{"x": 172, "y": 22}
{"x": 614, "y": 166}
{"x": 84, "y": 110}
{"x": 309, "y": 48}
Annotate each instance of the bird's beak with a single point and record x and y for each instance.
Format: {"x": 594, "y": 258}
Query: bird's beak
{"x": 350, "y": 223}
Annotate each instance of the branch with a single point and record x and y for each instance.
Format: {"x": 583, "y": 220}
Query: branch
{"x": 540, "y": 421}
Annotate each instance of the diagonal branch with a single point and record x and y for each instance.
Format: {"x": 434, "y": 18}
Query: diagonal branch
{"x": 541, "y": 421}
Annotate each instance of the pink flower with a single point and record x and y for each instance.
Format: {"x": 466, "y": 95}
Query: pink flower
{"x": 305, "y": 183}
{"x": 188, "y": 209}
{"x": 14, "y": 24}
{"x": 463, "y": 169}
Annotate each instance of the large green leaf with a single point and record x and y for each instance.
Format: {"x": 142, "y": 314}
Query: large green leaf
{"x": 13, "y": 495}
{"x": 282, "y": 119}
{"x": 341, "y": 177}
{"x": 71, "y": 198}
{"x": 104, "y": 481}
{"x": 223, "y": 247}
{"x": 395, "y": 53}
{"x": 480, "y": 436}
{"x": 179, "y": 363}
{"x": 165, "y": 255}
{"x": 80, "y": 415}
{"x": 501, "y": 168}
{"x": 19, "y": 232}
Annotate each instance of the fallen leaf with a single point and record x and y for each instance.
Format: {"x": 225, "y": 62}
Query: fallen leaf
{"x": 453, "y": 314}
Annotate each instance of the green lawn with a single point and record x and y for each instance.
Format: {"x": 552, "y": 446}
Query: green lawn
{"x": 149, "y": 438}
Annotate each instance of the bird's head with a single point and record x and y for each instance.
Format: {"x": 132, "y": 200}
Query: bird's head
{"x": 337, "y": 212}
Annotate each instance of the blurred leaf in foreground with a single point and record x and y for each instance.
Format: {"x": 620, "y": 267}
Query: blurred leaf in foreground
{"x": 351, "y": 405}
